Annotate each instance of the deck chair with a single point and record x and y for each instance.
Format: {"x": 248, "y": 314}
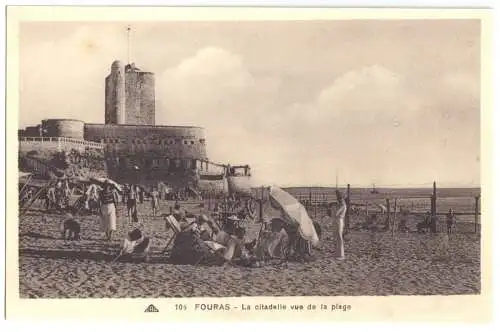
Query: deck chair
{"x": 173, "y": 224}
{"x": 216, "y": 249}
{"x": 226, "y": 253}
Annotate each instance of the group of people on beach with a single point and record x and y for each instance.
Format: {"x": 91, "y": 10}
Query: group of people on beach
{"x": 197, "y": 235}
{"x": 202, "y": 239}
{"x": 104, "y": 200}
{"x": 57, "y": 196}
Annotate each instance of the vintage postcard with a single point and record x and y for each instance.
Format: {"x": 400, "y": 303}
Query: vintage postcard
{"x": 189, "y": 164}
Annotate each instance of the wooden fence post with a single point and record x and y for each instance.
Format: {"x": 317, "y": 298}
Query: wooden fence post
{"x": 348, "y": 212}
{"x": 388, "y": 217}
{"x": 395, "y": 215}
{"x": 261, "y": 203}
{"x": 476, "y": 214}
{"x": 366, "y": 210}
{"x": 433, "y": 209}
{"x": 310, "y": 197}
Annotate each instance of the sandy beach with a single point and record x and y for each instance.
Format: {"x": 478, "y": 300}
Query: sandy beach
{"x": 376, "y": 264}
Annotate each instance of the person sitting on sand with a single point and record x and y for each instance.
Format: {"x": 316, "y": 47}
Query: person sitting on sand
{"x": 136, "y": 243}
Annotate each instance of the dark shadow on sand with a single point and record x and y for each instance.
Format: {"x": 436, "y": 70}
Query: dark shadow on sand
{"x": 37, "y": 236}
{"x": 66, "y": 254}
{"x": 88, "y": 255}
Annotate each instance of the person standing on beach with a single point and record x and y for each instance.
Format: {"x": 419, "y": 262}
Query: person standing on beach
{"x": 155, "y": 200}
{"x": 131, "y": 202}
{"x": 108, "y": 199}
{"x": 450, "y": 220}
{"x": 339, "y": 219}
{"x": 140, "y": 194}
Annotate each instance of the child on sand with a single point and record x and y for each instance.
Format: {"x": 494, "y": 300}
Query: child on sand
{"x": 70, "y": 228}
{"x": 136, "y": 243}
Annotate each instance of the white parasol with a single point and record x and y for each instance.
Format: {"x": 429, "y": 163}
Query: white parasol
{"x": 294, "y": 212}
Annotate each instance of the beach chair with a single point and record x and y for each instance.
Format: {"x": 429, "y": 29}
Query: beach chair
{"x": 173, "y": 224}
{"x": 216, "y": 249}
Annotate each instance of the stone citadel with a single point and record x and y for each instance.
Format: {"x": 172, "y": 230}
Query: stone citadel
{"x": 135, "y": 148}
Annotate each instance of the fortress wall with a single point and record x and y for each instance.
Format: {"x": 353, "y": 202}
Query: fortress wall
{"x": 63, "y": 128}
{"x": 140, "y": 98}
{"x": 32, "y": 131}
{"x": 161, "y": 152}
{"x": 48, "y": 146}
{"x": 154, "y": 141}
{"x": 54, "y": 144}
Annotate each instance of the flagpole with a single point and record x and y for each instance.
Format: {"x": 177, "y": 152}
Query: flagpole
{"x": 128, "y": 44}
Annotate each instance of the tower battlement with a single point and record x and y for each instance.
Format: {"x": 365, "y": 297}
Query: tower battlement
{"x": 129, "y": 95}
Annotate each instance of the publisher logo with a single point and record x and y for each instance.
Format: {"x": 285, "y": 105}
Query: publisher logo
{"x": 151, "y": 308}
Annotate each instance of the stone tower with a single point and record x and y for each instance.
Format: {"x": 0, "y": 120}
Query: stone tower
{"x": 115, "y": 95}
{"x": 130, "y": 96}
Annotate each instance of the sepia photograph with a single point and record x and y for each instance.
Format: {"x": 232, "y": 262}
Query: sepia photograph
{"x": 248, "y": 158}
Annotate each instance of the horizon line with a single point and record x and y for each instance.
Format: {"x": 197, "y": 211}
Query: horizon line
{"x": 464, "y": 186}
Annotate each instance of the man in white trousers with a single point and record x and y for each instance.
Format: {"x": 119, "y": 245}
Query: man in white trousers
{"x": 340, "y": 219}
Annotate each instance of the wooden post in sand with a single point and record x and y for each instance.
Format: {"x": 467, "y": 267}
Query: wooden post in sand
{"x": 433, "y": 209}
{"x": 310, "y": 197}
{"x": 388, "y": 217}
{"x": 395, "y": 215}
{"x": 348, "y": 212}
{"x": 261, "y": 205}
{"x": 476, "y": 213}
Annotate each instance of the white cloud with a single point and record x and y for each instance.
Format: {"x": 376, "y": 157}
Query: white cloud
{"x": 374, "y": 123}
{"x": 214, "y": 89}
{"x": 65, "y": 78}
{"x": 369, "y": 123}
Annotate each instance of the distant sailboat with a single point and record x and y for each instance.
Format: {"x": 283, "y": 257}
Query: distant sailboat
{"x": 374, "y": 190}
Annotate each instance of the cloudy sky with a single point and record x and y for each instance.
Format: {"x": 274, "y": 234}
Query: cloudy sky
{"x": 385, "y": 102}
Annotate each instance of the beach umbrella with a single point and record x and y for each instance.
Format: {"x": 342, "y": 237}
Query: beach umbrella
{"x": 294, "y": 212}
{"x": 101, "y": 180}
